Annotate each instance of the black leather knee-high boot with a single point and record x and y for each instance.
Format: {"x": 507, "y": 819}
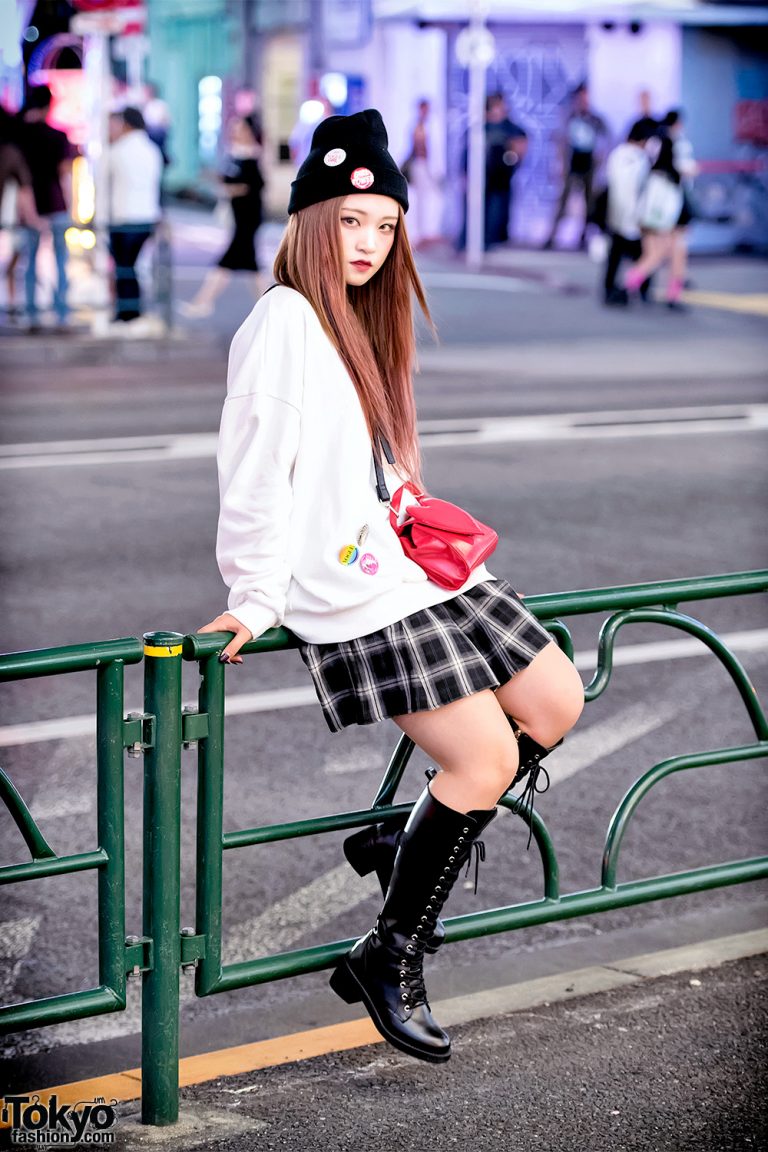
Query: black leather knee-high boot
{"x": 374, "y": 849}
{"x": 384, "y": 970}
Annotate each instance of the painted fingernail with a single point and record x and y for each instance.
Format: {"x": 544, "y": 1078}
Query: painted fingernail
{"x": 224, "y": 658}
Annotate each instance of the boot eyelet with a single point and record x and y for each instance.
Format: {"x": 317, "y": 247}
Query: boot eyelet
{"x": 424, "y": 919}
{"x": 466, "y": 830}
{"x": 409, "y": 948}
{"x": 414, "y": 937}
{"x": 406, "y": 1008}
{"x": 404, "y": 997}
{"x": 461, "y": 838}
{"x": 451, "y": 859}
{"x": 403, "y": 984}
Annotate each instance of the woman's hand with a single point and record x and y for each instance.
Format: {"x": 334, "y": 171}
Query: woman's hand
{"x": 227, "y": 623}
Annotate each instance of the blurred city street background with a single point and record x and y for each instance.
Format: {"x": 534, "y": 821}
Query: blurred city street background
{"x": 607, "y": 445}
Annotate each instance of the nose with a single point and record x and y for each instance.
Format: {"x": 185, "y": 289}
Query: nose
{"x": 366, "y": 241}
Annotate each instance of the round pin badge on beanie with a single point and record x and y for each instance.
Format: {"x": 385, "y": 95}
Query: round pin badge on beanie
{"x": 349, "y": 154}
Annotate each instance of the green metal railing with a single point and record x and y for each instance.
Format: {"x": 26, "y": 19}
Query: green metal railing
{"x": 164, "y": 728}
{"x": 116, "y": 957}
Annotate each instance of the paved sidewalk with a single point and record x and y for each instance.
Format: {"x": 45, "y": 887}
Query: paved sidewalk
{"x": 663, "y": 1063}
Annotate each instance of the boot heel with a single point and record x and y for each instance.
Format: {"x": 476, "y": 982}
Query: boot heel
{"x": 344, "y": 985}
{"x": 358, "y": 850}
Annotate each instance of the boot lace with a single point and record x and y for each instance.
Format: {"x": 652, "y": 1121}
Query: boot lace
{"x": 412, "y": 988}
{"x": 525, "y": 801}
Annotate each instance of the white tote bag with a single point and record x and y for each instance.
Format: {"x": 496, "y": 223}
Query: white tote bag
{"x": 661, "y": 202}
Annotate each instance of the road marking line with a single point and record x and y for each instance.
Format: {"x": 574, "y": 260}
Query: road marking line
{"x": 16, "y": 939}
{"x": 656, "y": 422}
{"x": 754, "y": 303}
{"x": 491, "y": 1002}
{"x": 299, "y": 914}
{"x": 277, "y": 699}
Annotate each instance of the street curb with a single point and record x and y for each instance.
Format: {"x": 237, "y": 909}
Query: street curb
{"x": 126, "y": 1086}
{"x": 601, "y": 978}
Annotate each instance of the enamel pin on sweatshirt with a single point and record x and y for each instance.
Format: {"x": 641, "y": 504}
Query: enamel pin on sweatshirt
{"x": 303, "y": 540}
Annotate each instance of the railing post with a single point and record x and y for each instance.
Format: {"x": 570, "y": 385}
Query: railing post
{"x": 162, "y": 864}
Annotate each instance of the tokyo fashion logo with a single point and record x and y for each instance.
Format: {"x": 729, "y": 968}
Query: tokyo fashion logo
{"x": 34, "y": 1123}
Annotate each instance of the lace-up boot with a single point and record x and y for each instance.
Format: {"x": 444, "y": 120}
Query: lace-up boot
{"x": 384, "y": 970}
{"x": 530, "y": 755}
{"x": 374, "y": 849}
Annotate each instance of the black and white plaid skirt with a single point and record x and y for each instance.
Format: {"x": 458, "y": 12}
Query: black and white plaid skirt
{"x": 478, "y": 639}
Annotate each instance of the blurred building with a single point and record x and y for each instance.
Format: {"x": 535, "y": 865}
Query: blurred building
{"x": 709, "y": 58}
{"x": 292, "y": 60}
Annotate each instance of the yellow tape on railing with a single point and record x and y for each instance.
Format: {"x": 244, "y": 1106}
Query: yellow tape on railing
{"x": 174, "y": 651}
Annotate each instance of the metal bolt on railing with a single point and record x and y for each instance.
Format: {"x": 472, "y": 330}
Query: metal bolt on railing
{"x": 136, "y": 970}
{"x": 134, "y": 751}
{"x": 192, "y": 964}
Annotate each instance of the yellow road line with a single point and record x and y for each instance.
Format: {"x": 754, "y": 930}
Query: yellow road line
{"x": 223, "y": 1062}
{"x": 755, "y": 303}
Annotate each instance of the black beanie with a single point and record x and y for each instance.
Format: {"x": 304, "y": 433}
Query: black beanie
{"x": 349, "y": 154}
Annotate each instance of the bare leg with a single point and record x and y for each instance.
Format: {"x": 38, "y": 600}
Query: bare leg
{"x": 472, "y": 742}
{"x": 546, "y": 698}
{"x": 216, "y": 280}
{"x": 657, "y": 247}
{"x": 678, "y": 264}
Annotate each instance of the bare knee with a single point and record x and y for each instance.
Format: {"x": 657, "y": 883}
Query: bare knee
{"x": 549, "y": 724}
{"x": 495, "y": 765}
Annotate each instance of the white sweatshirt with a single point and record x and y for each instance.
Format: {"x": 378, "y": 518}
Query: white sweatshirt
{"x": 626, "y": 171}
{"x": 297, "y": 486}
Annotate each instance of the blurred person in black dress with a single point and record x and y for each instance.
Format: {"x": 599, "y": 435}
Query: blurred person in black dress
{"x": 242, "y": 184}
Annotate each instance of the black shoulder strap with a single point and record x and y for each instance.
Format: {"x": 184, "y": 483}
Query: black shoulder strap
{"x": 381, "y": 485}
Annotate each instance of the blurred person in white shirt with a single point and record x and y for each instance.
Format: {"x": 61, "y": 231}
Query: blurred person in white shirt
{"x": 626, "y": 172}
{"x": 134, "y": 169}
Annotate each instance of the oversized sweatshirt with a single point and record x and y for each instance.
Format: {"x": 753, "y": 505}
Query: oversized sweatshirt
{"x": 303, "y": 539}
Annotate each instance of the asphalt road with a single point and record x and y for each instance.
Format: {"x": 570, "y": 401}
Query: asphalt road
{"x": 643, "y": 458}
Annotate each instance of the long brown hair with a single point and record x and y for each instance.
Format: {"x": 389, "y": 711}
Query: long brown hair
{"x": 371, "y": 326}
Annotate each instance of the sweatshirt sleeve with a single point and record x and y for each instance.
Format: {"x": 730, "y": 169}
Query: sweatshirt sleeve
{"x": 258, "y": 443}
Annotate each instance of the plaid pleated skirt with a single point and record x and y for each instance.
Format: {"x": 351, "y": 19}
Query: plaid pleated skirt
{"x": 479, "y": 639}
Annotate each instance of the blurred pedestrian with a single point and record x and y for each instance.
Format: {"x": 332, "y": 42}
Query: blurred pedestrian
{"x": 626, "y": 172}
{"x": 647, "y": 123}
{"x": 506, "y": 143}
{"x": 686, "y": 166}
{"x": 17, "y": 200}
{"x": 505, "y": 146}
{"x": 49, "y": 156}
{"x": 134, "y": 167}
{"x": 418, "y": 171}
{"x": 663, "y": 216}
{"x": 580, "y": 149}
{"x": 242, "y": 184}
{"x": 157, "y": 118}
{"x": 17, "y": 197}
{"x": 319, "y": 425}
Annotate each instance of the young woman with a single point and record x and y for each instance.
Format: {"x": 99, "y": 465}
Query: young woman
{"x": 319, "y": 370}
{"x": 666, "y": 213}
{"x": 241, "y": 183}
